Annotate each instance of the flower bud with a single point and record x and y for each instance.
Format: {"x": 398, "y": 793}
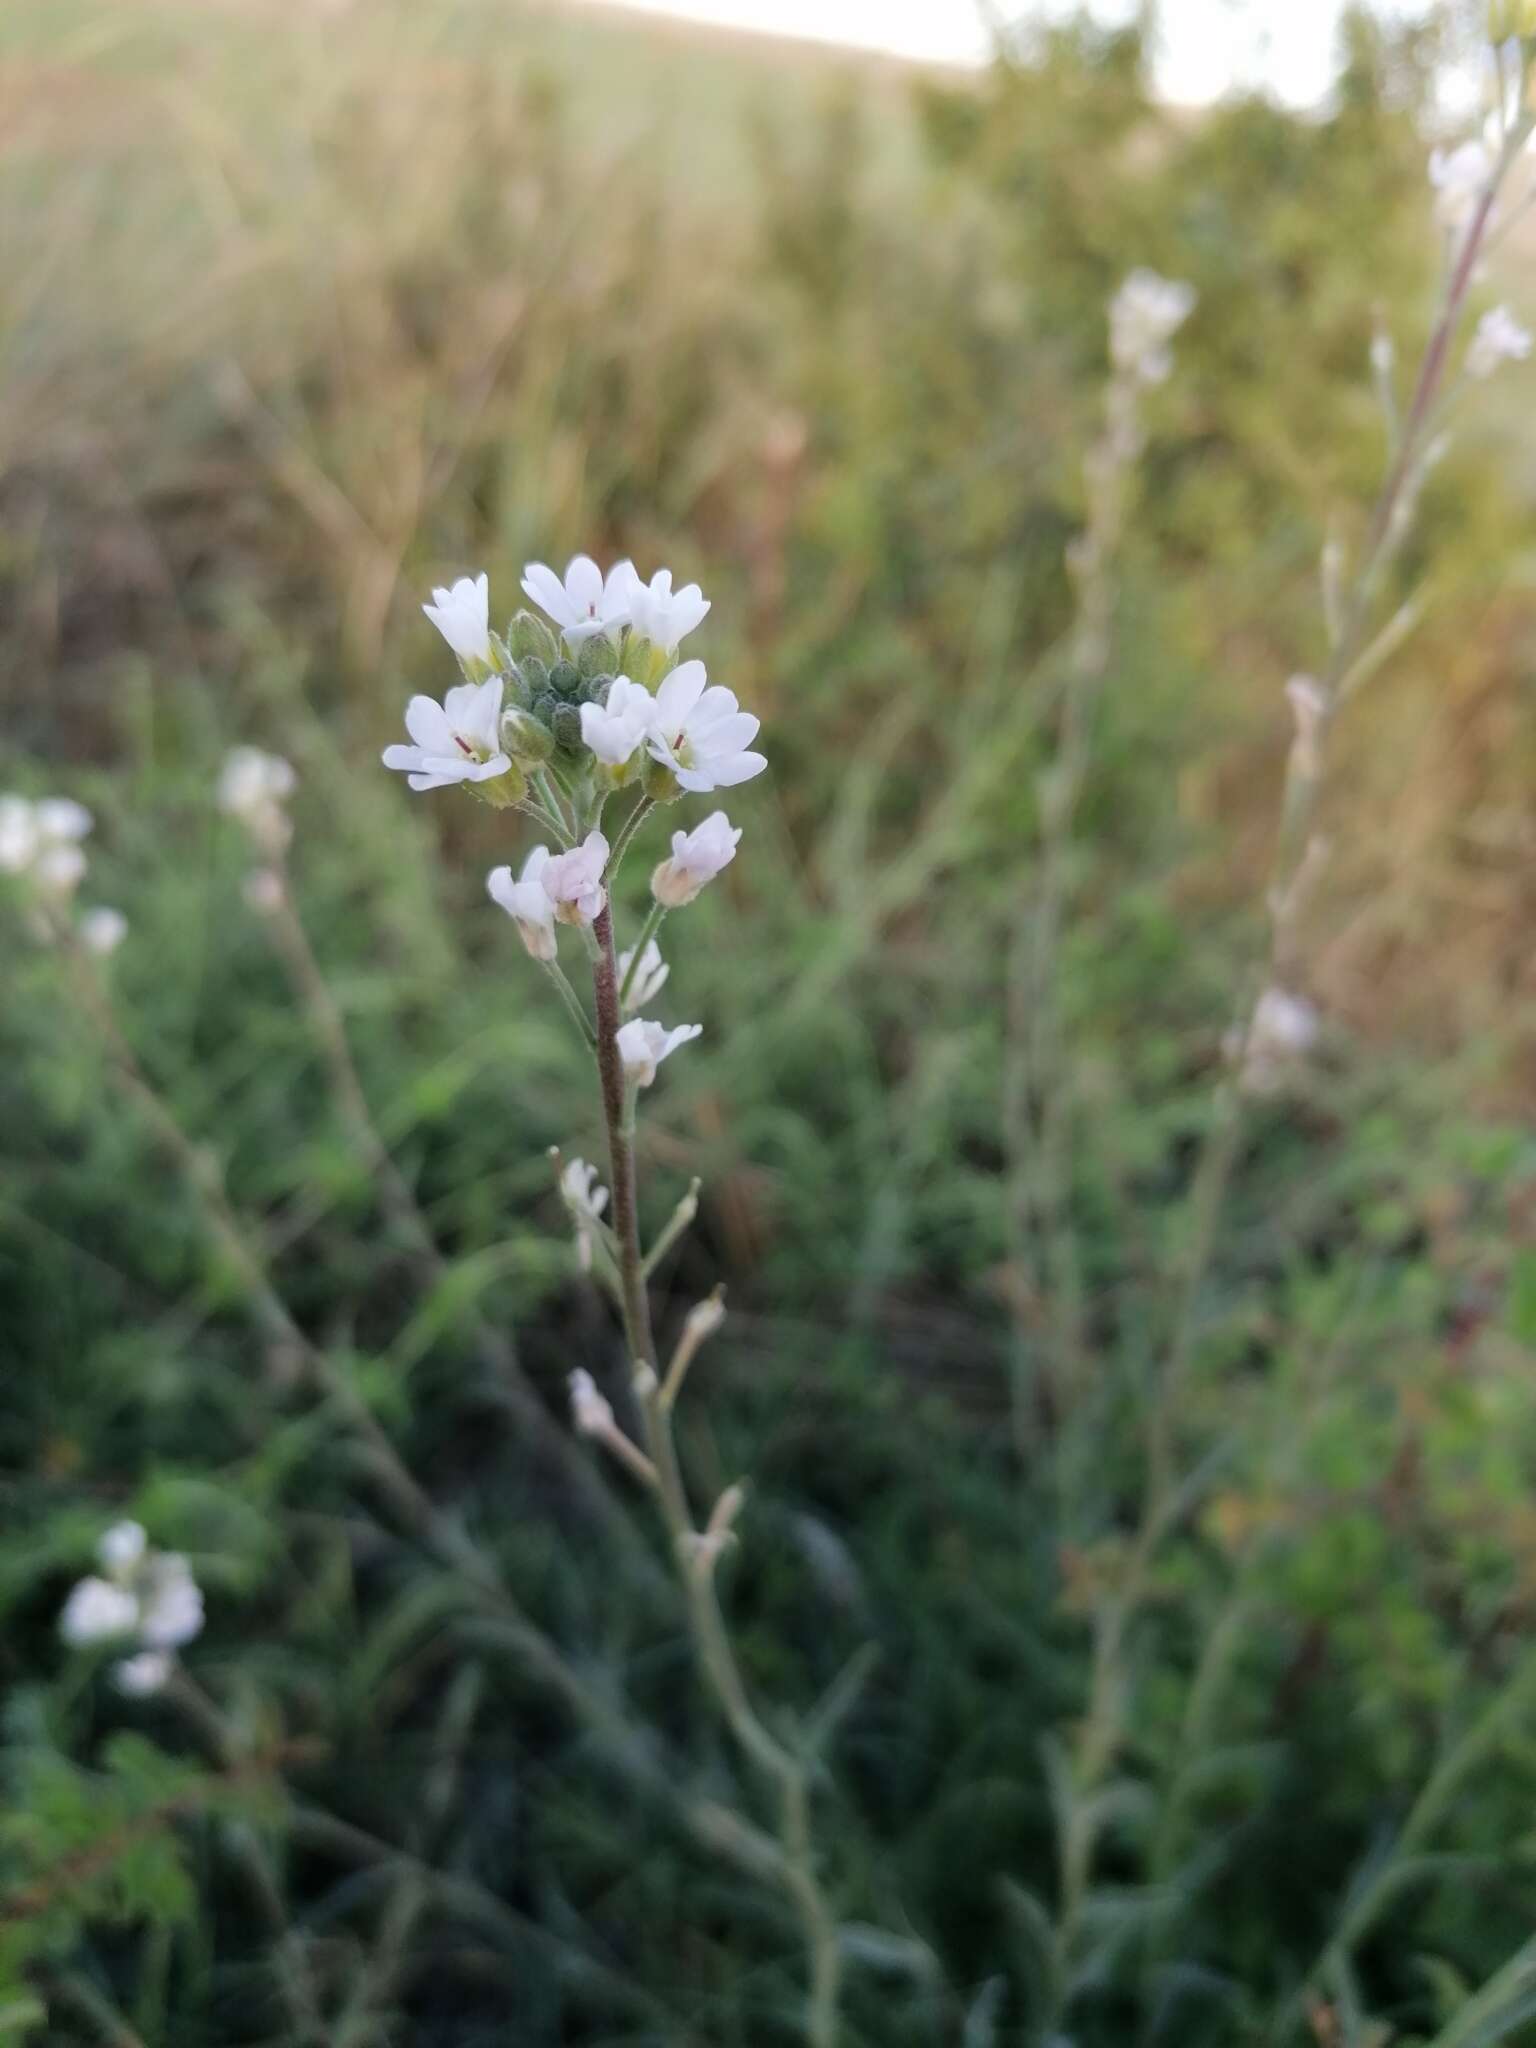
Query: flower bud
{"x": 523, "y": 738}
{"x": 529, "y": 639}
{"x": 591, "y": 1412}
{"x": 696, "y": 858}
{"x": 597, "y": 656}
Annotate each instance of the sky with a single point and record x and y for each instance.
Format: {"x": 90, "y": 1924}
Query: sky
{"x": 1207, "y": 46}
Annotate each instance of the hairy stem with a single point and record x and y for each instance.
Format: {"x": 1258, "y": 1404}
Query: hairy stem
{"x": 779, "y": 1766}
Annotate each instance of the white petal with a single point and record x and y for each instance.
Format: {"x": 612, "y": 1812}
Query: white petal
{"x": 679, "y": 694}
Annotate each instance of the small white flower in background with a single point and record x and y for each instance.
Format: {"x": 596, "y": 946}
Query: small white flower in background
{"x": 586, "y": 1200}
{"x": 142, "y": 1675}
{"x": 1383, "y": 354}
{"x": 458, "y": 740}
{"x": 42, "y": 840}
{"x": 61, "y": 821}
{"x": 264, "y": 891}
{"x": 253, "y": 787}
{"x": 170, "y": 1602}
{"x": 591, "y": 1411}
{"x": 462, "y": 614}
{"x": 1499, "y": 339}
{"x": 1309, "y": 707}
{"x": 527, "y": 902}
{"x": 644, "y": 1044}
{"x": 1144, "y": 315}
{"x": 96, "y": 1612}
{"x": 662, "y": 615}
{"x": 1283, "y": 1030}
{"x": 1460, "y": 177}
{"x": 573, "y": 881}
{"x": 103, "y": 930}
{"x": 616, "y": 730}
{"x": 697, "y": 857}
{"x": 701, "y": 733}
{"x": 649, "y": 975}
{"x": 122, "y": 1547}
{"x": 149, "y": 1595}
{"x": 583, "y": 603}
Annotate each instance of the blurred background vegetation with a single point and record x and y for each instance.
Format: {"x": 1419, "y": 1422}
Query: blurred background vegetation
{"x": 304, "y": 308}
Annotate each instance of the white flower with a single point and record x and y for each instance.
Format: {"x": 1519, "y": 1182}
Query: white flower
{"x": 643, "y": 1045}
{"x": 649, "y": 975}
{"x": 252, "y": 780}
{"x": 95, "y": 1612}
{"x": 61, "y": 821}
{"x": 591, "y": 1412}
{"x": 103, "y": 930}
{"x": 616, "y": 730}
{"x": 584, "y": 604}
{"x": 661, "y": 615}
{"x": 700, "y": 733}
{"x": 1144, "y": 315}
{"x": 121, "y": 1548}
{"x": 462, "y": 614}
{"x": 1460, "y": 177}
{"x": 586, "y": 1200}
{"x": 1499, "y": 339}
{"x": 142, "y": 1675}
{"x": 170, "y": 1602}
{"x": 35, "y": 833}
{"x": 458, "y": 740}
{"x": 573, "y": 881}
{"x": 253, "y": 786}
{"x": 527, "y": 903}
{"x": 1282, "y": 1030}
{"x": 697, "y": 857}
{"x": 43, "y": 839}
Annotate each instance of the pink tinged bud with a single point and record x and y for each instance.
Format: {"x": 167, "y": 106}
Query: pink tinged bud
{"x": 697, "y": 857}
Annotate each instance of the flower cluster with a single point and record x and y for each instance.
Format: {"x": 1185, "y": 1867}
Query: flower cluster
{"x": 554, "y": 718}
{"x": 146, "y": 1597}
{"x": 593, "y": 691}
{"x": 41, "y": 843}
{"x": 1144, "y": 315}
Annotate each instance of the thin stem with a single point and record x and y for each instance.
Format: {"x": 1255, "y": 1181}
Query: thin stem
{"x": 627, "y": 831}
{"x": 784, "y": 1770}
{"x": 545, "y": 784}
{"x": 648, "y": 931}
{"x": 572, "y": 1003}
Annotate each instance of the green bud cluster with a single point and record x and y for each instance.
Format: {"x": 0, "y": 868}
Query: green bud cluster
{"x": 546, "y": 688}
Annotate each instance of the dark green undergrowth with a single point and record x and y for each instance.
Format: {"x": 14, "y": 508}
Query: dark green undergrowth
{"x": 252, "y": 411}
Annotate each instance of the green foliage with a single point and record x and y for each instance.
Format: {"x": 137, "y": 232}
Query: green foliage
{"x": 422, "y": 290}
